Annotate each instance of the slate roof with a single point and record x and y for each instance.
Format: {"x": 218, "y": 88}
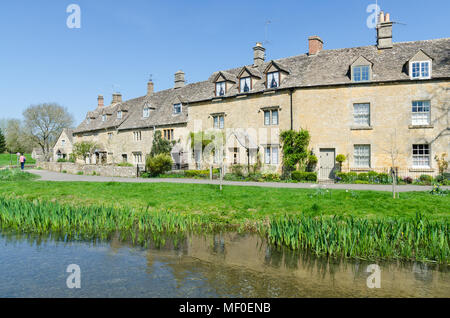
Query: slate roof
{"x": 328, "y": 67}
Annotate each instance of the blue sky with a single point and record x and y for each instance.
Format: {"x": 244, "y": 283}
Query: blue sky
{"x": 122, "y": 42}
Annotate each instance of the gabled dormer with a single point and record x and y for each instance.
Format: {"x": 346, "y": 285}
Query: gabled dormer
{"x": 223, "y": 82}
{"x": 105, "y": 114}
{"x": 247, "y": 77}
{"x": 275, "y": 74}
{"x": 146, "y": 109}
{"x": 361, "y": 70}
{"x": 420, "y": 66}
{"x": 121, "y": 111}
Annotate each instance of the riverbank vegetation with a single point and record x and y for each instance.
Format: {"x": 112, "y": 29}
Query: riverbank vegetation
{"x": 16, "y": 175}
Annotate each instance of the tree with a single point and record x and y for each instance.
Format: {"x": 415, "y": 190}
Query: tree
{"x": 2, "y": 142}
{"x": 44, "y": 123}
{"x": 84, "y": 149}
{"x": 158, "y": 164}
{"x": 160, "y": 145}
{"x": 16, "y": 138}
{"x": 340, "y": 160}
{"x": 295, "y": 149}
{"x": 393, "y": 150}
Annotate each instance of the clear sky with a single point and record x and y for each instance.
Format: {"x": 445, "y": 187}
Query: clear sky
{"x": 121, "y": 43}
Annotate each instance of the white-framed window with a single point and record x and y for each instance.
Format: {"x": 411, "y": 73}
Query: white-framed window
{"x": 137, "y": 136}
{"x": 137, "y": 157}
{"x": 177, "y": 108}
{"x": 420, "y": 112}
{"x": 361, "y": 114}
{"x": 361, "y": 73}
{"x": 110, "y": 135}
{"x": 271, "y": 155}
{"x": 63, "y": 142}
{"x": 271, "y": 117}
{"x": 221, "y": 88}
{"x": 119, "y": 114}
{"x": 420, "y": 70}
{"x": 361, "y": 156}
{"x": 103, "y": 117}
{"x": 146, "y": 112}
{"x": 421, "y": 156}
{"x": 168, "y": 134}
{"x": 245, "y": 85}
{"x": 219, "y": 121}
{"x": 273, "y": 79}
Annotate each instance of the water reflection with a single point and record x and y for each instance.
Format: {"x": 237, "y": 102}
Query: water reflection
{"x": 217, "y": 265}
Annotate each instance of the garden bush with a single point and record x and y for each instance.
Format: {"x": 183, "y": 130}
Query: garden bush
{"x": 199, "y": 173}
{"x": 363, "y": 176}
{"x": 271, "y": 177}
{"x": 158, "y": 164}
{"x": 304, "y": 176}
{"x": 425, "y": 178}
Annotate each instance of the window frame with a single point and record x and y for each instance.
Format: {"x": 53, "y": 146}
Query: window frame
{"x": 357, "y": 158}
{"x": 360, "y": 67}
{"x": 146, "y": 112}
{"x": 411, "y": 68}
{"x": 359, "y": 115}
{"x": 269, "y": 84}
{"x": 137, "y": 135}
{"x": 419, "y": 157}
{"x": 220, "y": 121}
{"x": 428, "y": 113}
{"x": 241, "y": 88}
{"x": 175, "y": 106}
{"x": 119, "y": 114}
{"x": 271, "y": 121}
{"x": 218, "y": 85}
{"x": 103, "y": 118}
{"x": 269, "y": 154}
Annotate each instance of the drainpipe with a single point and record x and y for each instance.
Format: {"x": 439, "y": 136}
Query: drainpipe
{"x": 292, "y": 119}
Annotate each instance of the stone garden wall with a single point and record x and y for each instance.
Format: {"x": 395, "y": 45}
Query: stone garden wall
{"x": 74, "y": 168}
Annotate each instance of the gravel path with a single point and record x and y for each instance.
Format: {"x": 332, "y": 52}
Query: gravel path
{"x": 55, "y": 176}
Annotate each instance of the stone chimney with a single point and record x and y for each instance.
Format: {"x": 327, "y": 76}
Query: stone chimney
{"x": 101, "y": 101}
{"x": 179, "y": 79}
{"x": 384, "y": 31}
{"x": 259, "y": 54}
{"x": 315, "y": 45}
{"x": 150, "y": 88}
{"x": 116, "y": 98}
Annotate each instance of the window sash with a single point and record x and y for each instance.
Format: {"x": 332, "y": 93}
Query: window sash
{"x": 361, "y": 73}
{"x": 221, "y": 122}
{"x": 361, "y": 114}
{"x": 221, "y": 89}
{"x": 177, "y": 108}
{"x": 361, "y": 155}
{"x": 267, "y": 156}
{"x": 420, "y": 69}
{"x": 274, "y": 155}
{"x": 275, "y": 117}
{"x": 270, "y": 77}
{"x": 421, "y": 155}
{"x": 119, "y": 115}
{"x": 146, "y": 113}
{"x": 420, "y": 113}
{"x": 243, "y": 81}
{"x": 267, "y": 117}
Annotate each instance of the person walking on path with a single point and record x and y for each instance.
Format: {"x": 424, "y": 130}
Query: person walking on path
{"x": 22, "y": 160}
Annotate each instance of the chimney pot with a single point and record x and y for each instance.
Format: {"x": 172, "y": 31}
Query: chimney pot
{"x": 101, "y": 101}
{"x": 179, "y": 79}
{"x": 150, "y": 88}
{"x": 387, "y": 17}
{"x": 384, "y": 32}
{"x": 259, "y": 54}
{"x": 315, "y": 44}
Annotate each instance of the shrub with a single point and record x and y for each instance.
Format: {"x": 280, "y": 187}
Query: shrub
{"x": 383, "y": 178}
{"x": 425, "y": 178}
{"x": 158, "y": 164}
{"x": 361, "y": 182}
{"x": 373, "y": 176}
{"x": 199, "y": 173}
{"x": 363, "y": 176}
{"x": 237, "y": 170}
{"x": 340, "y": 159}
{"x": 304, "y": 176}
{"x": 352, "y": 176}
{"x": 124, "y": 164}
{"x": 64, "y": 171}
{"x": 271, "y": 177}
{"x": 80, "y": 173}
{"x": 407, "y": 180}
{"x": 61, "y": 160}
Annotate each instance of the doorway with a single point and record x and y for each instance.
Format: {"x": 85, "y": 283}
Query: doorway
{"x": 327, "y": 162}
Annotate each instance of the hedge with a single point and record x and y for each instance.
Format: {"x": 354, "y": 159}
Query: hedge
{"x": 304, "y": 176}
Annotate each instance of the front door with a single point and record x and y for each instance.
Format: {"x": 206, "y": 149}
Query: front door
{"x": 327, "y": 163}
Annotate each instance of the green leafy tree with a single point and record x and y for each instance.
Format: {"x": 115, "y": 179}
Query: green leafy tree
{"x": 83, "y": 149}
{"x": 158, "y": 164}
{"x": 160, "y": 145}
{"x": 2, "y": 142}
{"x": 295, "y": 149}
{"x": 340, "y": 160}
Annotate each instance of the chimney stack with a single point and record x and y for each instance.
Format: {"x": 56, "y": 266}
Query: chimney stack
{"x": 259, "y": 54}
{"x": 117, "y": 98}
{"x": 101, "y": 101}
{"x": 150, "y": 88}
{"x": 315, "y": 45}
{"x": 384, "y": 31}
{"x": 179, "y": 79}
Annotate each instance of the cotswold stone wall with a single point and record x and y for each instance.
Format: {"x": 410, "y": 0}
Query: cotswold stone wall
{"x": 73, "y": 168}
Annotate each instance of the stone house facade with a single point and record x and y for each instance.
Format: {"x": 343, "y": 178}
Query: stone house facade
{"x": 381, "y": 105}
{"x": 63, "y": 147}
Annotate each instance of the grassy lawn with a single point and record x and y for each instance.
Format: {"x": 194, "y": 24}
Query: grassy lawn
{"x": 234, "y": 205}
{"x": 5, "y": 159}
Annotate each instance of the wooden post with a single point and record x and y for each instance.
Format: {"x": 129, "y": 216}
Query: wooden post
{"x": 221, "y": 176}
{"x": 210, "y": 172}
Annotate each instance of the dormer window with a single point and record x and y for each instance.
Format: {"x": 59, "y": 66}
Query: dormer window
{"x": 177, "y": 108}
{"x": 273, "y": 79}
{"x": 245, "y": 85}
{"x": 361, "y": 73}
{"x": 119, "y": 114}
{"x": 103, "y": 117}
{"x": 221, "y": 88}
{"x": 88, "y": 120}
{"x": 420, "y": 70}
{"x": 146, "y": 112}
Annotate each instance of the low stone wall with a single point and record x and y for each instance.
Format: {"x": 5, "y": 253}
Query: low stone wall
{"x": 75, "y": 168}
